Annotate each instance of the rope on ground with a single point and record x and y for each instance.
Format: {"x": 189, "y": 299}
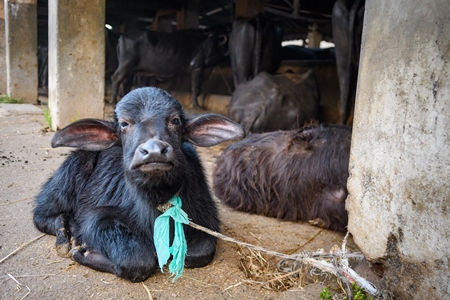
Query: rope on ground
{"x": 20, "y": 285}
{"x": 338, "y": 268}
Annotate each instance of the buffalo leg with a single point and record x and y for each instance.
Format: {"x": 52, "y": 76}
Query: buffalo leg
{"x": 127, "y": 84}
{"x": 242, "y": 53}
{"x": 119, "y": 75}
{"x": 196, "y": 84}
{"x": 201, "y": 250}
{"x": 93, "y": 260}
{"x": 329, "y": 209}
{"x": 342, "y": 40}
{"x": 63, "y": 236}
{"x": 109, "y": 244}
{"x": 58, "y": 226}
{"x": 347, "y": 30}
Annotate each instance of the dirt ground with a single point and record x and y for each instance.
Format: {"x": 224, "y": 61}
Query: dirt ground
{"x": 36, "y": 272}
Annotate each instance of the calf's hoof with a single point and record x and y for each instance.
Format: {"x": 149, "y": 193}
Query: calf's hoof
{"x": 62, "y": 242}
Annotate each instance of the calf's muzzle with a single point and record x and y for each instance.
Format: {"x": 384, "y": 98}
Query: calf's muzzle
{"x": 153, "y": 155}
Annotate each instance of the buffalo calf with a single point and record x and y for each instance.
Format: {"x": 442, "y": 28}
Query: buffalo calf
{"x": 275, "y": 102}
{"x": 106, "y": 195}
{"x": 292, "y": 175}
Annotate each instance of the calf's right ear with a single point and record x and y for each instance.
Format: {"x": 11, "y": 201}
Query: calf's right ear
{"x": 87, "y": 134}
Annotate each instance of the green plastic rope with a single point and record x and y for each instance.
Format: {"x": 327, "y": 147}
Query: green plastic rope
{"x": 161, "y": 237}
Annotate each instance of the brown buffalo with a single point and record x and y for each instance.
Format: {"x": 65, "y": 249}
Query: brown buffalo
{"x": 297, "y": 175}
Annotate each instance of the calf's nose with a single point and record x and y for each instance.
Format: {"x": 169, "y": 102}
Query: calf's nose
{"x": 154, "y": 150}
{"x": 154, "y": 154}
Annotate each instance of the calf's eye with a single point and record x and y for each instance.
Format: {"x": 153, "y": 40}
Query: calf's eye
{"x": 123, "y": 125}
{"x": 176, "y": 121}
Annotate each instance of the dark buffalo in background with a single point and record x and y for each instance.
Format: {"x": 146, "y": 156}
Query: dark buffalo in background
{"x": 164, "y": 55}
{"x": 106, "y": 194}
{"x": 111, "y": 61}
{"x": 298, "y": 175}
{"x": 42, "y": 56}
{"x": 272, "y": 102}
{"x": 255, "y": 46}
{"x": 347, "y": 22}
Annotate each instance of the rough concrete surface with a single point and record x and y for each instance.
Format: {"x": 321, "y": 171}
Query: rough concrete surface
{"x": 76, "y": 53}
{"x": 399, "y": 188}
{"x": 21, "y": 50}
{"x": 27, "y": 160}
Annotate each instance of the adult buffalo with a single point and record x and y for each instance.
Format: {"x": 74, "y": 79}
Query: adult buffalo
{"x": 255, "y": 46}
{"x": 347, "y": 21}
{"x": 275, "y": 102}
{"x": 111, "y": 61}
{"x": 166, "y": 54}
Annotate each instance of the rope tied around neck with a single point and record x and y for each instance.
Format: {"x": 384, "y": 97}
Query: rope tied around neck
{"x": 161, "y": 238}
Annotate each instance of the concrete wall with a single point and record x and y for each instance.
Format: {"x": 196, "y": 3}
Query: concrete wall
{"x": 76, "y": 60}
{"x": 21, "y": 49}
{"x": 399, "y": 203}
{"x": 2, "y": 49}
{"x": 248, "y": 8}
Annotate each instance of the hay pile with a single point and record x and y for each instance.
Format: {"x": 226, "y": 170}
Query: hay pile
{"x": 264, "y": 272}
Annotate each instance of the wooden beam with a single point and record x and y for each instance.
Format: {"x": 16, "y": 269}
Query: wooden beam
{"x": 187, "y": 17}
{"x": 143, "y": 5}
{"x": 248, "y": 8}
{"x": 163, "y": 21}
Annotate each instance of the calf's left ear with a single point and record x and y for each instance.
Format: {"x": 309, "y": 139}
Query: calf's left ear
{"x": 87, "y": 134}
{"x": 211, "y": 129}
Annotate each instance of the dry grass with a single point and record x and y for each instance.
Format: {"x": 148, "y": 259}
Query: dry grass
{"x": 263, "y": 272}
{"x": 266, "y": 274}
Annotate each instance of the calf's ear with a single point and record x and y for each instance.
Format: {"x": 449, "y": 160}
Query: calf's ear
{"x": 211, "y": 129}
{"x": 87, "y": 134}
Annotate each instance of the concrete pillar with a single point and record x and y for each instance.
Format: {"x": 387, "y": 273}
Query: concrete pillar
{"x": 76, "y": 60}
{"x": 2, "y": 49}
{"x": 21, "y": 49}
{"x": 399, "y": 185}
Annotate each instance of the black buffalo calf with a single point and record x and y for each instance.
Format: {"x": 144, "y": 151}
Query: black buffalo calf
{"x": 292, "y": 175}
{"x": 108, "y": 193}
{"x": 275, "y": 102}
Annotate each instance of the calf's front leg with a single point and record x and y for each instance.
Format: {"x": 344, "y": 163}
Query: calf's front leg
{"x": 200, "y": 250}
{"x": 109, "y": 244}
